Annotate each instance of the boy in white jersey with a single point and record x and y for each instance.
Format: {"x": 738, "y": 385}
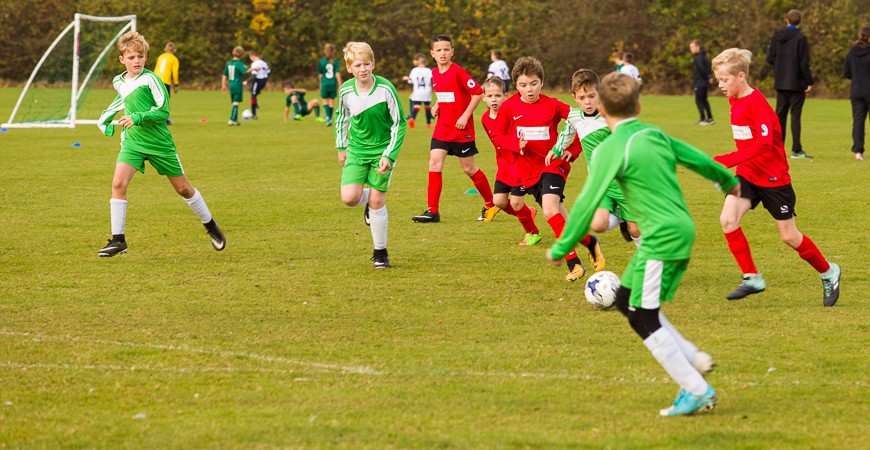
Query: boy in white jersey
{"x": 421, "y": 80}
{"x": 259, "y": 76}
{"x": 369, "y": 131}
{"x": 143, "y": 98}
{"x": 588, "y": 125}
{"x": 499, "y": 68}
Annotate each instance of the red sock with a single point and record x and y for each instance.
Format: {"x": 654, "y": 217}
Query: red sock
{"x": 557, "y": 223}
{"x": 586, "y": 240}
{"x": 739, "y": 247}
{"x": 524, "y": 215}
{"x": 509, "y": 209}
{"x": 482, "y": 185}
{"x": 434, "y": 191}
{"x": 811, "y": 254}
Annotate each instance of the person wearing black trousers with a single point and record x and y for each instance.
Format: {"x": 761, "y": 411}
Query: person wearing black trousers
{"x": 857, "y": 69}
{"x": 789, "y": 53}
{"x": 702, "y": 79}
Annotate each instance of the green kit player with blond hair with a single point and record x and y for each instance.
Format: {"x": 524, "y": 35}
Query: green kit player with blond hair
{"x": 369, "y": 131}
{"x": 144, "y": 136}
{"x": 329, "y": 74}
{"x": 643, "y": 160}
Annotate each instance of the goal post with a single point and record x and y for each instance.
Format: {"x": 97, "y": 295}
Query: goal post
{"x": 58, "y": 86}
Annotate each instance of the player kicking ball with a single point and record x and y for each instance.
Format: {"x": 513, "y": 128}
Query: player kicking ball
{"x": 145, "y": 102}
{"x": 634, "y": 154}
{"x": 369, "y": 131}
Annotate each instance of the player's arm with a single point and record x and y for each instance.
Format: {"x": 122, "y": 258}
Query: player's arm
{"x": 699, "y": 162}
{"x": 501, "y": 136}
{"x": 224, "y": 80}
{"x": 105, "y": 122}
{"x": 397, "y": 131}
{"x": 462, "y": 122}
{"x": 173, "y": 77}
{"x": 763, "y": 143}
{"x": 601, "y": 173}
{"x": 342, "y": 128}
{"x": 568, "y": 132}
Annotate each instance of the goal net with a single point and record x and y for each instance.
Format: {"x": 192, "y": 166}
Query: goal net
{"x": 56, "y": 94}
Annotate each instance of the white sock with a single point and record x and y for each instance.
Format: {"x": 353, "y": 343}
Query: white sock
{"x": 118, "y": 209}
{"x": 612, "y": 222}
{"x": 664, "y": 349}
{"x": 197, "y": 204}
{"x": 364, "y": 198}
{"x": 378, "y": 220}
{"x": 637, "y": 241}
{"x": 686, "y": 347}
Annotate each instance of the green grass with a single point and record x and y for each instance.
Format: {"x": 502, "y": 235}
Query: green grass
{"x": 289, "y": 338}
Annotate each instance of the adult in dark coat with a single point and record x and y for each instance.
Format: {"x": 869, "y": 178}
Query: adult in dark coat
{"x": 789, "y": 53}
{"x": 702, "y": 79}
{"x": 857, "y": 69}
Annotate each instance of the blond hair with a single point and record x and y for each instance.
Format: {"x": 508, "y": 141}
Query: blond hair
{"x": 620, "y": 95}
{"x": 238, "y": 52}
{"x": 733, "y": 61}
{"x": 132, "y": 40}
{"x": 358, "y": 50}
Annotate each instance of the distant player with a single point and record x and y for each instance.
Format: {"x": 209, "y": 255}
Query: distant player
{"x": 329, "y": 75}
{"x": 527, "y": 124}
{"x": 763, "y": 173}
{"x": 499, "y": 68}
{"x": 301, "y": 108}
{"x": 369, "y": 131}
{"x": 143, "y": 98}
{"x": 628, "y": 66}
{"x": 587, "y": 124}
{"x": 421, "y": 81}
{"x": 507, "y": 180}
{"x": 233, "y": 78}
{"x": 643, "y": 160}
{"x": 259, "y": 77}
{"x": 457, "y": 95}
{"x": 167, "y": 69}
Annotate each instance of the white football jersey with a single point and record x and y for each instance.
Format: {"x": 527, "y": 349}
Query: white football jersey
{"x": 421, "y": 79}
{"x": 500, "y": 69}
{"x": 260, "y": 69}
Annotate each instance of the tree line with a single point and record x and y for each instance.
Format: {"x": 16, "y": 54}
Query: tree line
{"x": 564, "y": 34}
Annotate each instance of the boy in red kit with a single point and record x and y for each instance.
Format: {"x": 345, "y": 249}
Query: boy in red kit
{"x": 457, "y": 94}
{"x": 763, "y": 173}
{"x": 507, "y": 181}
{"x": 527, "y": 124}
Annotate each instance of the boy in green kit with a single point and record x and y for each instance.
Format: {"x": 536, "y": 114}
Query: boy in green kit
{"x": 234, "y": 73}
{"x": 643, "y": 160}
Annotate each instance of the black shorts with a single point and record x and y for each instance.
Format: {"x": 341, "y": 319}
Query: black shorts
{"x": 458, "y": 149}
{"x": 778, "y": 201}
{"x": 504, "y": 188}
{"x": 549, "y": 183}
{"x": 258, "y": 85}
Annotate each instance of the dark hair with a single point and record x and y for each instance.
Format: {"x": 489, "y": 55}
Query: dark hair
{"x": 494, "y": 81}
{"x": 584, "y": 79}
{"x": 420, "y": 56}
{"x": 442, "y": 38}
{"x": 289, "y": 84}
{"x": 527, "y": 66}
{"x": 253, "y": 52}
{"x": 863, "y": 37}
{"x": 793, "y": 17}
{"x": 696, "y": 42}
{"x": 497, "y": 53}
{"x": 628, "y": 57}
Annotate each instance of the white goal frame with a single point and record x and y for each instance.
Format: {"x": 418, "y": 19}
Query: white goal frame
{"x": 76, "y": 89}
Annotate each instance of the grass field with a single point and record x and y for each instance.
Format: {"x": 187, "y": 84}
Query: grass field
{"x": 289, "y": 338}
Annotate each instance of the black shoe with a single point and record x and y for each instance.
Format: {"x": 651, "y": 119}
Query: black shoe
{"x": 381, "y": 260}
{"x": 366, "y": 215}
{"x": 218, "y": 241}
{"x": 751, "y": 284}
{"x": 800, "y": 155}
{"x": 427, "y": 217}
{"x": 115, "y": 246}
{"x": 623, "y": 228}
{"x": 710, "y": 121}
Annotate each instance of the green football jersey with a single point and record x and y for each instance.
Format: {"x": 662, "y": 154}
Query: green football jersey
{"x": 371, "y": 125}
{"x": 235, "y": 71}
{"x": 146, "y": 101}
{"x": 643, "y": 160}
{"x": 300, "y": 97}
{"x": 328, "y": 69}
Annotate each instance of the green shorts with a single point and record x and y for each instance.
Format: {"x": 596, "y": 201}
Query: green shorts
{"x": 166, "y": 164}
{"x": 365, "y": 172}
{"x": 237, "y": 96}
{"x": 328, "y": 91}
{"x": 614, "y": 202}
{"x": 652, "y": 281}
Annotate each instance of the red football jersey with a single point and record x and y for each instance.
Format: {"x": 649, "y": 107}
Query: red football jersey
{"x": 505, "y": 160}
{"x": 539, "y": 122}
{"x": 453, "y": 90}
{"x": 760, "y": 156}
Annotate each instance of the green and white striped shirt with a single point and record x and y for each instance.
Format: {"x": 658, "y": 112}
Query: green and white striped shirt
{"x": 145, "y": 100}
{"x": 370, "y": 125}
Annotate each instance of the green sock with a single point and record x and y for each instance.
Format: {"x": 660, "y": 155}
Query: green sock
{"x": 328, "y": 110}
{"x": 296, "y": 107}
{"x": 234, "y": 116}
{"x": 317, "y": 111}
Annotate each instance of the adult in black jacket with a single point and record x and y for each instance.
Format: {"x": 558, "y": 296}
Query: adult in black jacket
{"x": 702, "y": 79}
{"x": 857, "y": 69}
{"x": 789, "y": 53}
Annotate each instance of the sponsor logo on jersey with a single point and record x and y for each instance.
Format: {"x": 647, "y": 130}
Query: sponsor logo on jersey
{"x": 764, "y": 130}
{"x": 517, "y": 117}
{"x": 445, "y": 97}
{"x": 534, "y": 133}
{"x": 741, "y": 133}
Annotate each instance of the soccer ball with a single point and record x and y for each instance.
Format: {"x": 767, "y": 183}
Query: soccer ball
{"x": 601, "y": 289}
{"x": 247, "y": 114}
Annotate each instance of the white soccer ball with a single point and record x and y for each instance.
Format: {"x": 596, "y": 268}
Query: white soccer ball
{"x": 247, "y": 114}
{"x": 601, "y": 289}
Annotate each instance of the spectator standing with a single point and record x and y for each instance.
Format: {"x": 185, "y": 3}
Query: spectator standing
{"x": 857, "y": 69}
{"x": 702, "y": 78}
